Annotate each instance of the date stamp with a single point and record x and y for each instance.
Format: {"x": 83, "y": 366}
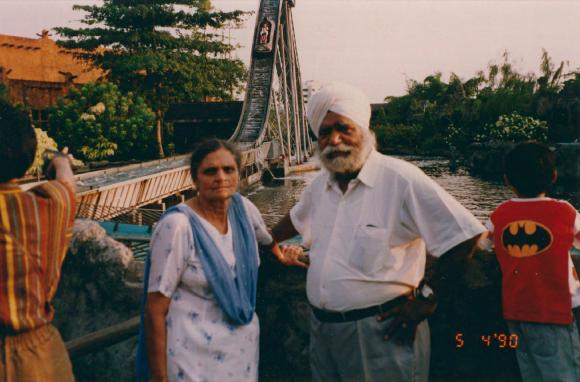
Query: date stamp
{"x": 492, "y": 340}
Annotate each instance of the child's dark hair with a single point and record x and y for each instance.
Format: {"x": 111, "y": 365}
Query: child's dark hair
{"x": 530, "y": 168}
{"x": 209, "y": 146}
{"x": 17, "y": 142}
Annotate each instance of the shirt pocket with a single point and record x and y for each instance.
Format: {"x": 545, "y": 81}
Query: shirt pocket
{"x": 369, "y": 248}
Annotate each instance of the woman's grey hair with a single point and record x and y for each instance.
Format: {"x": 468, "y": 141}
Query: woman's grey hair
{"x": 209, "y": 146}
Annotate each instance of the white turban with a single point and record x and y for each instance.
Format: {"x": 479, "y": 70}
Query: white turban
{"x": 342, "y": 99}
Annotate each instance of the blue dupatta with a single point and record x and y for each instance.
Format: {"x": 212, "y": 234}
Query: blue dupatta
{"x": 236, "y": 295}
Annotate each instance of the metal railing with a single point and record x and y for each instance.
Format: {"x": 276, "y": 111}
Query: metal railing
{"x": 103, "y": 338}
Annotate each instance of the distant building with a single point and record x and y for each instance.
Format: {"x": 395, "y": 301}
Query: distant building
{"x": 195, "y": 121}
{"x": 37, "y": 71}
{"x": 309, "y": 88}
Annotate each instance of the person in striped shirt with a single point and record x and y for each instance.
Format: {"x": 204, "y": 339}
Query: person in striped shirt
{"x": 35, "y": 229}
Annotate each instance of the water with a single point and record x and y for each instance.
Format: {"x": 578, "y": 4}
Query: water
{"x": 478, "y": 195}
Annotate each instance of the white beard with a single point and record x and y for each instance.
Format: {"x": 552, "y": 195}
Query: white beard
{"x": 354, "y": 161}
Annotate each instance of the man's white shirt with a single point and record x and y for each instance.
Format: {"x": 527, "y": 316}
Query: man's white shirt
{"x": 368, "y": 245}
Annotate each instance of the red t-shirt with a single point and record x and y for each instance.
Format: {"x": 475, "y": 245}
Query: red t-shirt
{"x": 532, "y": 243}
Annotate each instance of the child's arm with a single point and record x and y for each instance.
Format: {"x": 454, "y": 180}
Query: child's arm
{"x": 486, "y": 241}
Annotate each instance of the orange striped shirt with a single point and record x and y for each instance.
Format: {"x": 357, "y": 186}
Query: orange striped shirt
{"x": 35, "y": 230}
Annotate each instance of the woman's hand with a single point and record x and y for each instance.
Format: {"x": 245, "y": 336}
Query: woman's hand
{"x": 290, "y": 255}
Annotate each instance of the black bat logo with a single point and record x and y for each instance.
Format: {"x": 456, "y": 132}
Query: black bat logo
{"x": 524, "y": 238}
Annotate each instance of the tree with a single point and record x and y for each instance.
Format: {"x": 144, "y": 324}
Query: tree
{"x": 97, "y": 121}
{"x": 564, "y": 114}
{"x": 165, "y": 50}
{"x": 498, "y": 103}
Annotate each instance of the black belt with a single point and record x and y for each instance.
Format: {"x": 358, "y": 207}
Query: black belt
{"x": 357, "y": 314}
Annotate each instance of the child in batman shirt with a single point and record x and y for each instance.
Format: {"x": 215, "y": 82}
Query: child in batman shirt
{"x": 533, "y": 236}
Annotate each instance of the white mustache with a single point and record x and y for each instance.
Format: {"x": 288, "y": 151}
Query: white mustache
{"x": 340, "y": 148}
{"x": 355, "y": 158}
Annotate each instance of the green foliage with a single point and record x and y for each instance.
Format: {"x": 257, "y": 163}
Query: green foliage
{"x": 455, "y": 137}
{"x": 97, "y": 121}
{"x": 166, "y": 51}
{"x": 498, "y": 103}
{"x": 398, "y": 137}
{"x": 514, "y": 128}
{"x": 562, "y": 111}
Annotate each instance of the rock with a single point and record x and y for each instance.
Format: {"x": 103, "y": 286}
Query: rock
{"x": 568, "y": 155}
{"x": 471, "y": 307}
{"x": 284, "y": 321}
{"x": 100, "y": 286}
{"x": 91, "y": 239}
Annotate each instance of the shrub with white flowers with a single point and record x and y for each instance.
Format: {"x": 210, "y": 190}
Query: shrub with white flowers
{"x": 44, "y": 143}
{"x": 98, "y": 121}
{"x": 514, "y": 128}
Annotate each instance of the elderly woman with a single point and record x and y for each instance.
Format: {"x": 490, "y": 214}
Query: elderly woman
{"x": 199, "y": 317}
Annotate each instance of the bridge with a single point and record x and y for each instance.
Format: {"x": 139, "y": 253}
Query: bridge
{"x": 272, "y": 131}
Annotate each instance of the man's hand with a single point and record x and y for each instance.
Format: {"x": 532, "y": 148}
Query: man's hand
{"x": 406, "y": 317}
{"x": 290, "y": 255}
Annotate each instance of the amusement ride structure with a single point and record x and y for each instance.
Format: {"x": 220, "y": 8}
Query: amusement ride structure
{"x": 272, "y": 131}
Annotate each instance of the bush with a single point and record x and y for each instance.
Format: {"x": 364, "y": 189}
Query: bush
{"x": 514, "y": 128}
{"x": 97, "y": 121}
{"x": 398, "y": 136}
{"x": 455, "y": 137}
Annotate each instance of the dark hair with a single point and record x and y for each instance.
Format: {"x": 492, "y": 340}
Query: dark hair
{"x": 17, "y": 142}
{"x": 530, "y": 168}
{"x": 206, "y": 147}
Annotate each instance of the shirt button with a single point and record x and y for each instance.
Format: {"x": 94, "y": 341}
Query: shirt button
{"x": 516, "y": 272}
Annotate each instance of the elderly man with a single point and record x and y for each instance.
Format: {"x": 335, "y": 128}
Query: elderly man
{"x": 368, "y": 220}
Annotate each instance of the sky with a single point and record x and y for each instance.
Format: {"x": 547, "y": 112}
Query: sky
{"x": 378, "y": 45}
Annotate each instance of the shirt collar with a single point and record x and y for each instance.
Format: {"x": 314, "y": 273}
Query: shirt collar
{"x": 367, "y": 175}
{"x": 535, "y": 199}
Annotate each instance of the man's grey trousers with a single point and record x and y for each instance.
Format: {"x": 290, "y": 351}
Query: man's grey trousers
{"x": 356, "y": 351}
